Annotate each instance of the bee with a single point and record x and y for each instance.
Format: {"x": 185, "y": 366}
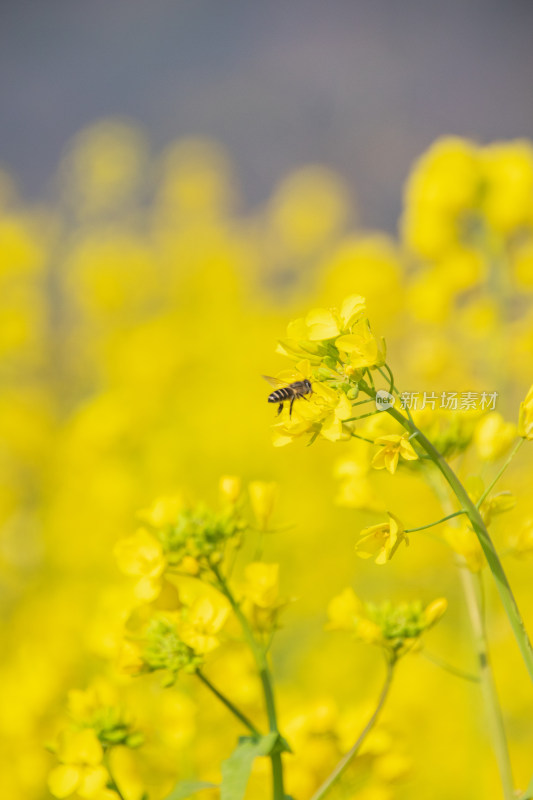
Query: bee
{"x": 287, "y": 391}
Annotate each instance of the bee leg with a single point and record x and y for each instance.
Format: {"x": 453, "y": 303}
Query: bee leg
{"x": 280, "y": 408}
{"x": 293, "y": 398}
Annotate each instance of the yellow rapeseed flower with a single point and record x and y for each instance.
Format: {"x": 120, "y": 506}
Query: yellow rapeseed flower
{"x": 507, "y": 199}
{"x": 381, "y": 540}
{"x": 393, "y": 447}
{"x": 323, "y": 413}
{"x": 327, "y": 323}
{"x": 362, "y": 347}
{"x": 81, "y": 769}
{"x": 205, "y": 619}
{"x": 261, "y": 594}
{"x": 141, "y": 555}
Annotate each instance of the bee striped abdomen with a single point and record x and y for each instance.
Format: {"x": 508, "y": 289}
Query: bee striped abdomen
{"x": 281, "y": 394}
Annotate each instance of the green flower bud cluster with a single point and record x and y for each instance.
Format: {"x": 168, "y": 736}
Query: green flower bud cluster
{"x": 201, "y": 534}
{"x": 163, "y": 649}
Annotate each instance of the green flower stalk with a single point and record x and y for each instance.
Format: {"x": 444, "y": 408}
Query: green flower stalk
{"x": 341, "y": 355}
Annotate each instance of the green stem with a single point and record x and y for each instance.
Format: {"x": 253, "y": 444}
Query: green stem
{"x": 234, "y": 710}
{"x": 266, "y": 681}
{"x": 346, "y": 759}
{"x": 394, "y": 388}
{"x": 363, "y": 416}
{"x": 474, "y": 601}
{"x": 363, "y": 438}
{"x": 493, "y": 560}
{"x": 432, "y": 524}
{"x": 459, "y": 673}
{"x": 475, "y": 607}
{"x": 491, "y": 486}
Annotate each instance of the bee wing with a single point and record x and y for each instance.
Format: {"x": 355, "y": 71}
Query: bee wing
{"x": 275, "y": 382}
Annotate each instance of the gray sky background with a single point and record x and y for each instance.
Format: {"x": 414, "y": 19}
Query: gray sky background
{"x": 360, "y": 85}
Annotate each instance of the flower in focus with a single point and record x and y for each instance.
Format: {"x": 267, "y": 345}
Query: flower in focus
{"x": 393, "y": 447}
{"x": 324, "y": 413}
{"x": 362, "y": 348}
{"x": 381, "y": 540}
{"x": 525, "y": 416}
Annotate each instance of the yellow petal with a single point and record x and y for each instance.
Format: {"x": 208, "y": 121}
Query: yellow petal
{"x": 147, "y": 589}
{"x": 391, "y": 460}
{"x": 92, "y": 782}
{"x": 80, "y": 747}
{"x": 352, "y": 310}
{"x": 140, "y": 554}
{"x": 378, "y": 462}
{"x": 63, "y": 780}
{"x": 321, "y": 324}
{"x": 332, "y": 428}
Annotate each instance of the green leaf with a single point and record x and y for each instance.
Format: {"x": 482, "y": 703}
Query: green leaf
{"x": 185, "y": 789}
{"x": 236, "y": 769}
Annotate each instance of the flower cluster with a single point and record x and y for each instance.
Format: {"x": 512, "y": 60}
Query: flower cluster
{"x": 174, "y": 540}
{"x": 395, "y": 628}
{"x": 333, "y": 349}
{"x": 457, "y": 185}
{"x": 83, "y": 749}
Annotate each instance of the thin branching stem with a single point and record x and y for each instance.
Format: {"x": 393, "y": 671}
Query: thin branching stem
{"x": 229, "y": 705}
{"x": 473, "y": 590}
{"x": 438, "y": 522}
{"x": 493, "y": 483}
{"x": 459, "y": 673}
{"x": 350, "y": 755}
